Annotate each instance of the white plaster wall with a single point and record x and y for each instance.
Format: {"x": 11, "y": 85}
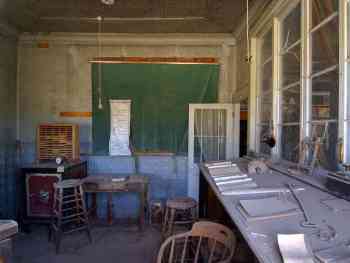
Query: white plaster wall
{"x": 58, "y": 78}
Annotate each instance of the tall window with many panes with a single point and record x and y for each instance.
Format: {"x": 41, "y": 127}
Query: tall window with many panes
{"x": 324, "y": 79}
{"x": 290, "y": 83}
{"x": 300, "y": 81}
{"x": 265, "y": 91}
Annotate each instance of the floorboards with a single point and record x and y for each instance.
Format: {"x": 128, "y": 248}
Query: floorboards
{"x": 111, "y": 244}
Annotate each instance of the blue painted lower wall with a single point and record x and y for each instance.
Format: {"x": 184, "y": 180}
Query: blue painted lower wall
{"x": 8, "y": 171}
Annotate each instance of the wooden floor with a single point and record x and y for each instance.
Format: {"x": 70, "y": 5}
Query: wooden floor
{"x": 111, "y": 244}
{"x": 118, "y": 243}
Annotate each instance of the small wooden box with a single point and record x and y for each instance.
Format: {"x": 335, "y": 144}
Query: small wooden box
{"x": 55, "y": 140}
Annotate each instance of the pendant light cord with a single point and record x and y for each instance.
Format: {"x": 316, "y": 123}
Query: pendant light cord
{"x": 248, "y": 58}
{"x": 100, "y": 105}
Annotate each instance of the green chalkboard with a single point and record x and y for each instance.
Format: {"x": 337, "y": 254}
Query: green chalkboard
{"x": 160, "y": 95}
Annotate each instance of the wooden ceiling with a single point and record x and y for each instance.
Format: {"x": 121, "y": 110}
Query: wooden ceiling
{"x": 125, "y": 16}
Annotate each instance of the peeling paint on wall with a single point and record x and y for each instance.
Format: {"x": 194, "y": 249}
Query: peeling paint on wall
{"x": 8, "y": 157}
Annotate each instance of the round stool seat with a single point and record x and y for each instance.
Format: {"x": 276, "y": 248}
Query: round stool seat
{"x": 68, "y": 183}
{"x": 181, "y": 203}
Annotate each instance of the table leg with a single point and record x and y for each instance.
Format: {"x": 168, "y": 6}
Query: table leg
{"x": 2, "y": 260}
{"x": 142, "y": 211}
{"x": 110, "y": 209}
{"x": 94, "y": 206}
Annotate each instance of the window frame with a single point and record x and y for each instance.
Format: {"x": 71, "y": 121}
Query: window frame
{"x": 260, "y": 65}
{"x": 279, "y": 85}
{"x": 344, "y": 81}
{"x": 273, "y": 19}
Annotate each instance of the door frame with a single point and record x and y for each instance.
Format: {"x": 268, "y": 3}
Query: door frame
{"x": 232, "y": 141}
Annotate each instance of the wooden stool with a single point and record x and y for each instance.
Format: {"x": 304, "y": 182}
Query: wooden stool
{"x": 156, "y": 212}
{"x": 181, "y": 211}
{"x": 69, "y": 210}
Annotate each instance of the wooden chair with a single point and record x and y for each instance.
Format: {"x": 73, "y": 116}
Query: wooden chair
{"x": 206, "y": 242}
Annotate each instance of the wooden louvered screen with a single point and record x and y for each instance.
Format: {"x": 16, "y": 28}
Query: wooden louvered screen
{"x": 55, "y": 140}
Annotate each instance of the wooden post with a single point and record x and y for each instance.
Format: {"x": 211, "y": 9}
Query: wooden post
{"x": 94, "y": 206}
{"x": 142, "y": 211}
{"x": 110, "y": 209}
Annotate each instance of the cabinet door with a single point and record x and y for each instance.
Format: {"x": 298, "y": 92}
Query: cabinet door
{"x": 39, "y": 189}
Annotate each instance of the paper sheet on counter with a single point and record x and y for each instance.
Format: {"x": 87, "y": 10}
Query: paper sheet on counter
{"x": 294, "y": 248}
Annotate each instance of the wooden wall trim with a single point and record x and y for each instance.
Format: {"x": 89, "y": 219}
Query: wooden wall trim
{"x": 155, "y": 60}
{"x": 76, "y": 114}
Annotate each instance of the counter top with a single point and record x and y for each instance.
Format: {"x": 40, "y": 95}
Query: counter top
{"x": 261, "y": 235}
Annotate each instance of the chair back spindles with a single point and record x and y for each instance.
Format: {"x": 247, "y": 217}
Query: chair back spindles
{"x": 211, "y": 242}
{"x": 212, "y": 250}
{"x": 184, "y": 250}
{"x": 198, "y": 249}
{"x": 171, "y": 254}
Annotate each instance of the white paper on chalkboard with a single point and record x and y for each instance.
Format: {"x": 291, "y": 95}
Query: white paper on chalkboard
{"x": 120, "y": 127}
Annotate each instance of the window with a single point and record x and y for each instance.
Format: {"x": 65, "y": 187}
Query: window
{"x": 265, "y": 91}
{"x": 346, "y": 83}
{"x": 290, "y": 84}
{"x": 300, "y": 81}
{"x": 324, "y": 42}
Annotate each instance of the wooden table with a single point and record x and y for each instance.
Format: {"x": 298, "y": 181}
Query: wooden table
{"x": 114, "y": 183}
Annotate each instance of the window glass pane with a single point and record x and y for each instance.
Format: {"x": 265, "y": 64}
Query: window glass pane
{"x": 291, "y": 105}
{"x": 325, "y": 96}
{"x": 290, "y": 74}
{"x": 291, "y": 66}
{"x": 266, "y": 49}
{"x": 290, "y": 142}
{"x": 210, "y": 135}
{"x": 321, "y": 9}
{"x": 291, "y": 28}
{"x": 266, "y": 108}
{"x": 265, "y": 130}
{"x": 348, "y": 104}
{"x": 266, "y": 77}
{"x": 325, "y": 46}
{"x": 328, "y": 151}
{"x": 265, "y": 93}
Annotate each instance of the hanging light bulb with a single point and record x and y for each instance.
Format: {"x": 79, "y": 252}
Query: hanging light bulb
{"x": 100, "y": 105}
{"x": 108, "y": 2}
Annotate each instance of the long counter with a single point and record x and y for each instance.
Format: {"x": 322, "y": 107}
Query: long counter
{"x": 261, "y": 235}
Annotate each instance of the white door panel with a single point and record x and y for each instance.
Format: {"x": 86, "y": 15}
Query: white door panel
{"x": 213, "y": 136}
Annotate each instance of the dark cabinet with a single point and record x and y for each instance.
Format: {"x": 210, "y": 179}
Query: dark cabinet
{"x": 36, "y": 188}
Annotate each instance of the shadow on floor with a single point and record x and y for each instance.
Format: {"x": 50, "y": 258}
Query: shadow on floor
{"x": 121, "y": 243}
